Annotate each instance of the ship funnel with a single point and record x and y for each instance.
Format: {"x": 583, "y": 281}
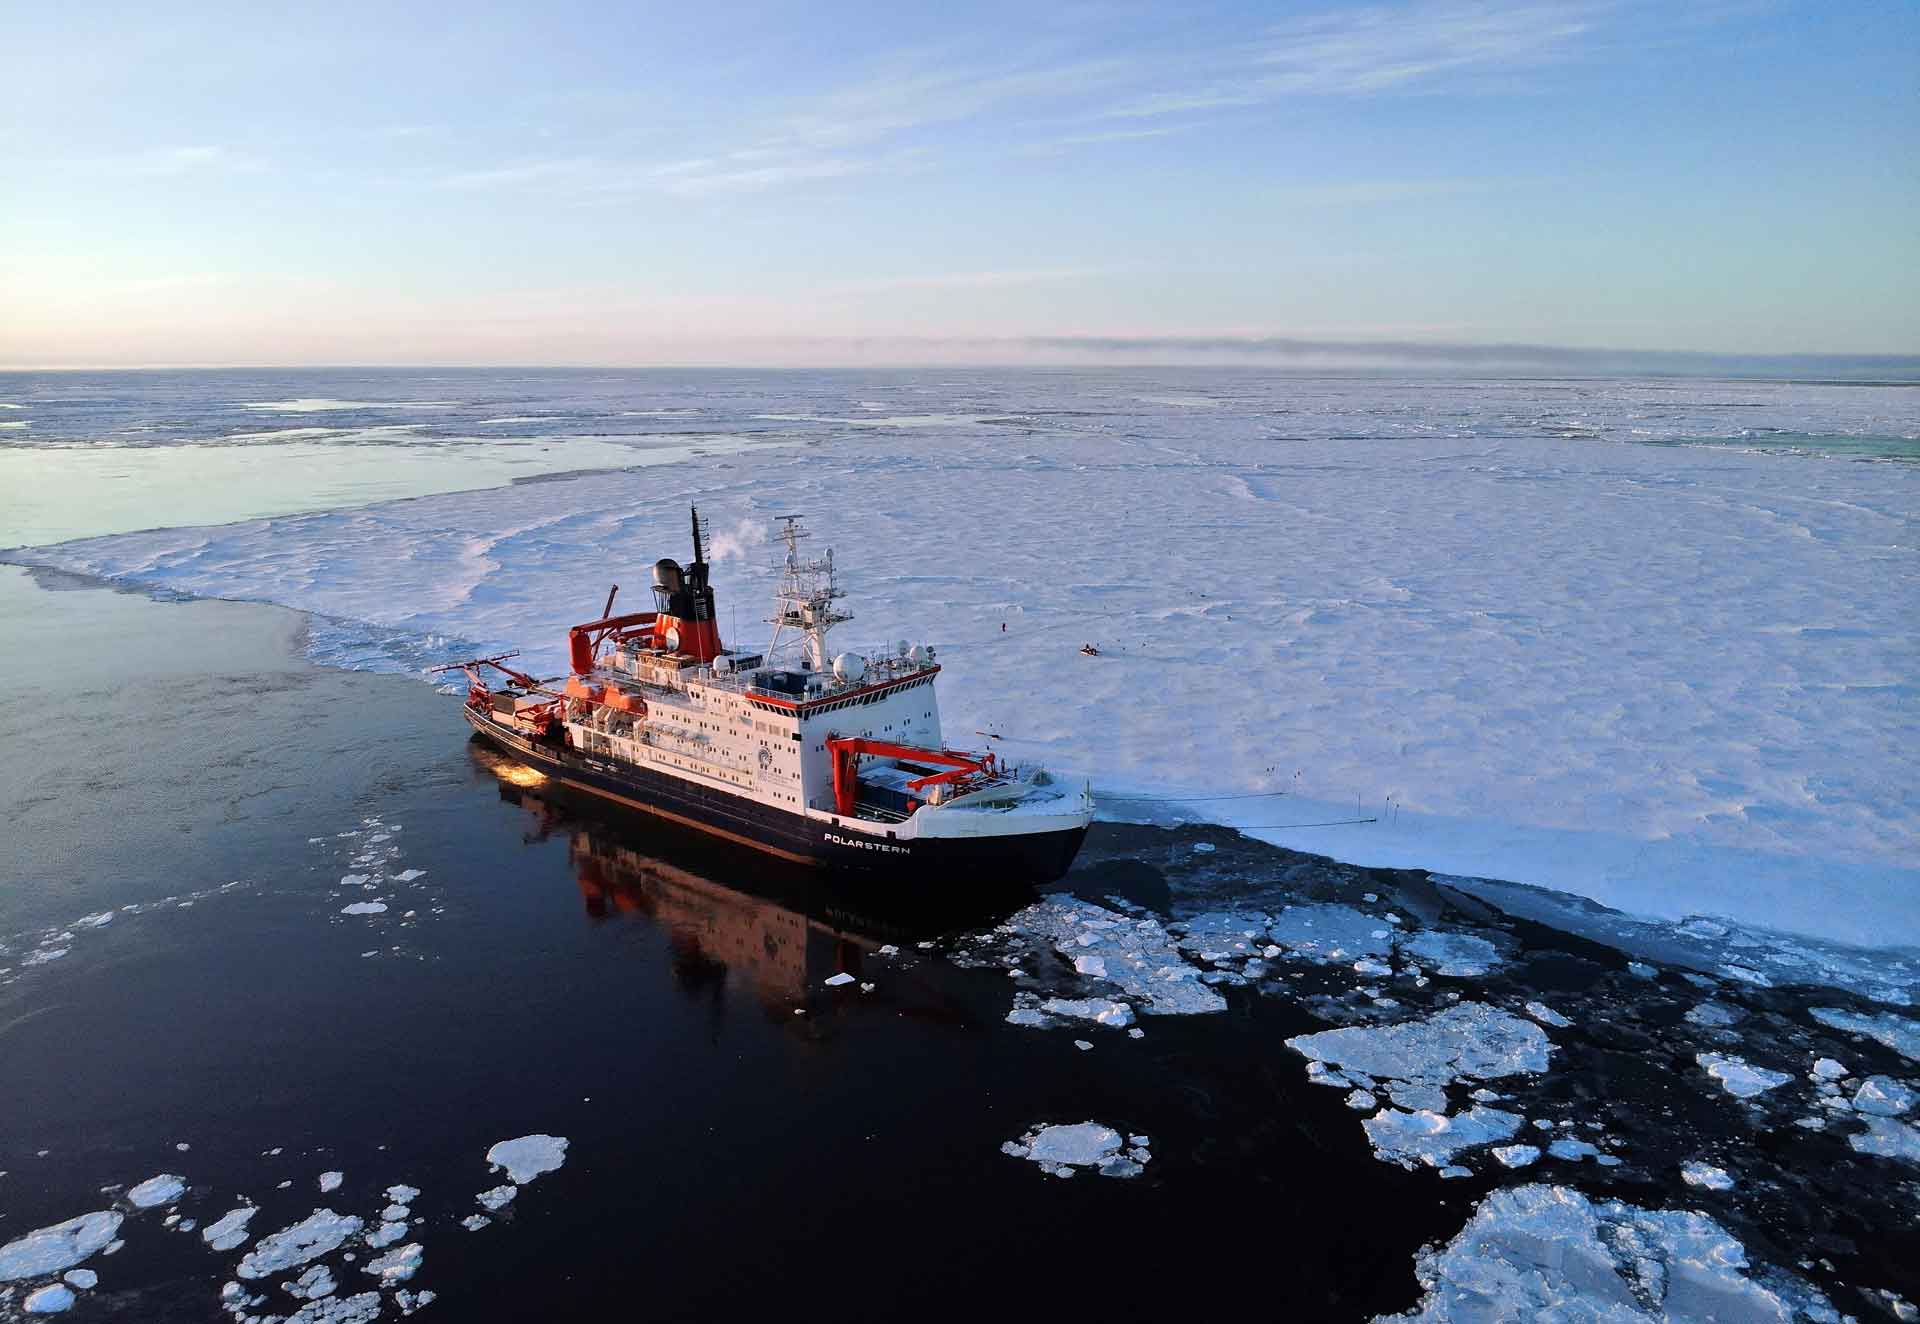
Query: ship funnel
{"x": 666, "y": 574}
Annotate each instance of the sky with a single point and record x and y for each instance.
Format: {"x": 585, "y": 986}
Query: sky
{"x": 848, "y": 182}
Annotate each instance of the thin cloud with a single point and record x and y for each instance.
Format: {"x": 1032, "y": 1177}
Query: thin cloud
{"x": 184, "y": 160}
{"x": 1380, "y": 49}
{"x": 1067, "y": 142}
{"x": 972, "y": 280}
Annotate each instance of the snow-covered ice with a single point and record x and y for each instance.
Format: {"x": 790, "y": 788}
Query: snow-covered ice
{"x": 316, "y": 1282}
{"x": 1330, "y": 933}
{"x": 1487, "y": 589}
{"x": 528, "y": 1156}
{"x": 365, "y": 908}
{"x": 1517, "y": 1156}
{"x": 361, "y": 1309}
{"x": 155, "y": 1191}
{"x": 1883, "y": 1096}
{"x": 1139, "y": 955}
{"x": 1896, "y": 1032}
{"x": 49, "y": 1300}
{"x": 1467, "y": 1041}
{"x": 319, "y": 1233}
{"x": 1706, "y": 1175}
{"x": 330, "y": 1181}
{"x": 1739, "y": 1077}
{"x": 1546, "y": 1015}
{"x": 1452, "y": 954}
{"x": 1551, "y": 1254}
{"x": 498, "y": 1197}
{"x": 1430, "y": 1137}
{"x": 230, "y": 1229}
{"x": 84, "y": 1279}
{"x": 1888, "y": 1137}
{"x": 59, "y": 1247}
{"x": 398, "y": 1264}
{"x": 837, "y": 981}
{"x": 1062, "y": 1148}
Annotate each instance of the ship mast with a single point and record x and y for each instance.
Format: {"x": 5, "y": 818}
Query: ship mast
{"x": 804, "y": 601}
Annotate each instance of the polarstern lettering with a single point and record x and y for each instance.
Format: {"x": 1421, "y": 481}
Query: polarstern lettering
{"x": 858, "y": 844}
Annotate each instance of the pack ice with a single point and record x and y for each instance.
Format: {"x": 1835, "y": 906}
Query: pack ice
{"x": 1539, "y": 614}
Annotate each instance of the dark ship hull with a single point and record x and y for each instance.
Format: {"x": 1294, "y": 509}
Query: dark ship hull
{"x": 1034, "y": 857}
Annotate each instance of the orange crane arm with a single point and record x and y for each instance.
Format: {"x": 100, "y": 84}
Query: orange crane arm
{"x": 846, "y": 753}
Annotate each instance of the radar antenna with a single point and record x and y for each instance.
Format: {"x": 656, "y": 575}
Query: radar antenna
{"x": 804, "y": 601}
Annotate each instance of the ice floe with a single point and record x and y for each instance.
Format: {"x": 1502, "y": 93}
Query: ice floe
{"x": 1546, "y": 1015}
{"x": 1896, "y": 1032}
{"x": 1138, "y": 953}
{"x": 330, "y": 1181}
{"x": 364, "y": 908}
{"x": 230, "y": 1229}
{"x": 54, "y": 1249}
{"x": 49, "y": 1300}
{"x": 1433, "y": 1138}
{"x": 155, "y": 1191}
{"x": 1883, "y": 1096}
{"x": 1517, "y": 1156}
{"x": 1706, "y": 1175}
{"x": 1031, "y": 1011}
{"x": 1467, "y": 1041}
{"x": 1739, "y": 1077}
{"x": 498, "y": 1197}
{"x": 319, "y": 1233}
{"x": 84, "y": 1279}
{"x": 361, "y": 1309}
{"x": 1452, "y": 954}
{"x": 316, "y": 1282}
{"x": 398, "y": 1264}
{"x": 1548, "y": 1253}
{"x": 1063, "y": 1148}
{"x": 1888, "y": 1137}
{"x": 528, "y": 1156}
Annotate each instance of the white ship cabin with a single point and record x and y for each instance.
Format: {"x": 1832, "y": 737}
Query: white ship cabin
{"x": 763, "y": 729}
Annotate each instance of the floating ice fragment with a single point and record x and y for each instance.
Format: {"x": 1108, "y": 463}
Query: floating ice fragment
{"x": 353, "y": 879}
{"x": 1517, "y": 1156}
{"x": 315, "y": 1283}
{"x": 1328, "y": 933}
{"x": 1401, "y": 1137}
{"x": 1896, "y": 1032}
{"x": 1546, "y": 1015}
{"x": 408, "y": 875}
{"x": 1082, "y": 1045}
{"x": 1641, "y": 970}
{"x": 230, "y": 1229}
{"x": 1060, "y": 1149}
{"x": 365, "y": 908}
{"x": 163, "y": 1189}
{"x": 319, "y": 1233}
{"x": 474, "y": 1222}
{"x": 330, "y": 1181}
{"x": 1882, "y": 1096}
{"x": 40, "y": 957}
{"x": 1889, "y": 1138}
{"x": 50, "y": 1250}
{"x": 1093, "y": 966}
{"x": 838, "y": 980}
{"x": 1548, "y": 1253}
{"x": 389, "y": 1231}
{"x": 1825, "y": 1068}
{"x": 1453, "y": 954}
{"x": 395, "y": 1212}
{"x": 403, "y": 1194}
{"x": 1572, "y": 1150}
{"x": 528, "y": 1156}
{"x": 97, "y": 921}
{"x": 398, "y": 1264}
{"x": 1471, "y": 1040}
{"x": 84, "y": 1279}
{"x": 1738, "y": 1077}
{"x": 410, "y": 1301}
{"x": 1715, "y": 1015}
{"x": 361, "y": 1309}
{"x": 49, "y": 1300}
{"x": 1101, "y": 1011}
{"x": 1362, "y": 1101}
{"x": 1695, "y": 1173}
{"x": 498, "y": 1198}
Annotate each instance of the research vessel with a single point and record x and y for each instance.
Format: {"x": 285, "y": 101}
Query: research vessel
{"x": 831, "y": 759}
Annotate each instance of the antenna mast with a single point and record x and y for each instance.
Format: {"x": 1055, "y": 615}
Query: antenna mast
{"x": 804, "y": 602}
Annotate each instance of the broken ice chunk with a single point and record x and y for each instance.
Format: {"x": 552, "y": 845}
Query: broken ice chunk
{"x": 529, "y": 1156}
{"x": 1890, "y": 1138}
{"x": 315, "y": 1283}
{"x": 1433, "y": 1139}
{"x": 1826, "y": 1068}
{"x": 1362, "y": 1101}
{"x": 1453, "y": 954}
{"x": 1715, "y": 1015}
{"x": 49, "y": 1300}
{"x": 230, "y": 1229}
{"x": 1740, "y": 1078}
{"x": 330, "y": 1181}
{"x": 50, "y": 1250}
{"x": 163, "y": 1189}
{"x": 320, "y": 1233}
{"x": 1546, "y": 1015}
{"x": 474, "y": 1222}
{"x": 1572, "y": 1150}
{"x": 1705, "y": 1175}
{"x": 1882, "y": 1096}
{"x": 839, "y": 980}
{"x": 365, "y": 908}
{"x": 398, "y": 1264}
{"x": 498, "y": 1198}
{"x": 1517, "y": 1156}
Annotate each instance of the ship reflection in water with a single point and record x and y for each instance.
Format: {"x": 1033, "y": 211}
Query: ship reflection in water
{"x": 783, "y": 929}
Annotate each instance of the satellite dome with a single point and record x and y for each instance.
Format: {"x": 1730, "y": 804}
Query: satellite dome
{"x": 849, "y": 666}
